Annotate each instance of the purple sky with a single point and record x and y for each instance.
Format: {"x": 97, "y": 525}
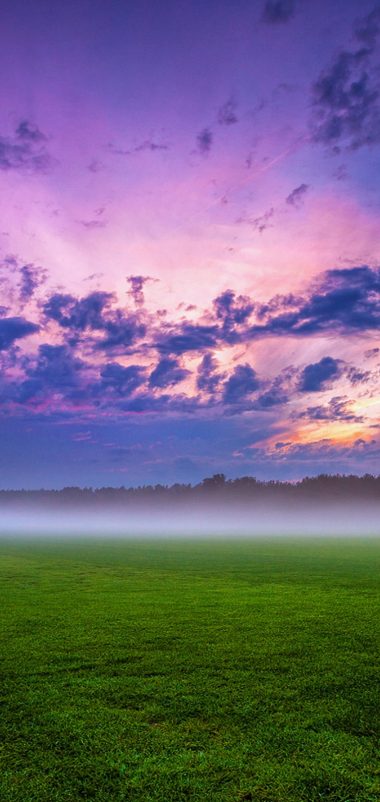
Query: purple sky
{"x": 189, "y": 240}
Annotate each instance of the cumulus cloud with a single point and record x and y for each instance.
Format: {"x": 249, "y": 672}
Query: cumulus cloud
{"x": 120, "y": 379}
{"x": 232, "y": 310}
{"x": 15, "y": 328}
{"x": 95, "y": 328}
{"x": 317, "y": 376}
{"x": 208, "y": 377}
{"x": 188, "y": 337}
{"x": 93, "y": 313}
{"x": 340, "y": 301}
{"x": 79, "y": 313}
{"x": 167, "y": 372}
{"x": 242, "y": 383}
{"x": 56, "y": 369}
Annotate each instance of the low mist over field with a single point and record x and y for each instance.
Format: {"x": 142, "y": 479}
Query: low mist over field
{"x": 325, "y": 506}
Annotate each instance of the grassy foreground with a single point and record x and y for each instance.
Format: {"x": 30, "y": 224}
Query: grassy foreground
{"x": 167, "y": 671}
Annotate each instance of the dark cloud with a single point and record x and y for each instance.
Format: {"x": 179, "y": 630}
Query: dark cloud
{"x": 346, "y": 96}
{"x": 28, "y": 131}
{"x": 79, "y": 314}
{"x": 271, "y": 398}
{"x": 227, "y": 113}
{"x": 56, "y": 369}
{"x": 316, "y": 376}
{"x": 94, "y": 313}
{"x": 122, "y": 380}
{"x": 279, "y": 390}
{"x": 136, "y": 291}
{"x": 278, "y": 11}
{"x": 31, "y": 277}
{"x": 297, "y": 195}
{"x": 242, "y": 382}
{"x": 15, "y": 328}
{"x": 357, "y": 376}
{"x": 232, "y": 310}
{"x": 208, "y": 378}
{"x": 121, "y": 330}
{"x": 167, "y": 372}
{"x": 204, "y": 141}
{"x": 25, "y": 151}
{"x": 341, "y": 301}
{"x": 188, "y": 337}
{"x": 338, "y": 408}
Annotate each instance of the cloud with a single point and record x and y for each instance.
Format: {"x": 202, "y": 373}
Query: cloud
{"x": 346, "y": 96}
{"x": 316, "y": 376}
{"x": 367, "y": 28}
{"x": 338, "y": 408}
{"x": 94, "y": 313}
{"x": 278, "y": 11}
{"x": 204, "y": 141}
{"x": 371, "y": 352}
{"x": 240, "y": 384}
{"x": 341, "y": 301}
{"x": 28, "y": 131}
{"x": 188, "y": 337}
{"x": 167, "y": 372}
{"x": 121, "y": 380}
{"x": 31, "y": 277}
{"x": 297, "y": 195}
{"x": 121, "y": 330}
{"x": 93, "y": 224}
{"x": 227, "y": 113}
{"x": 147, "y": 145}
{"x": 79, "y": 314}
{"x": 95, "y": 166}
{"x": 337, "y": 302}
{"x": 136, "y": 291}
{"x": 357, "y": 376}
{"x": 232, "y": 310}
{"x": 208, "y": 378}
{"x": 15, "y": 328}
{"x": 260, "y": 224}
{"x": 271, "y": 398}
{"x": 56, "y": 369}
{"x": 25, "y": 151}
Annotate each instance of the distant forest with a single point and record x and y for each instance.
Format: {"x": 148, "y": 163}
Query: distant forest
{"x": 217, "y": 489}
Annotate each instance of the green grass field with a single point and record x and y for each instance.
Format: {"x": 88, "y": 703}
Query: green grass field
{"x": 168, "y": 671}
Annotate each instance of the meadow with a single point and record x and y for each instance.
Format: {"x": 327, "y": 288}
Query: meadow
{"x": 165, "y": 671}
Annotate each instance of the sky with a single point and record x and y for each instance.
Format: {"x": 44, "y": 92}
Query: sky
{"x": 189, "y": 240}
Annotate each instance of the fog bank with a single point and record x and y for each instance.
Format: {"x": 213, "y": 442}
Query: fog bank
{"x": 193, "y": 520}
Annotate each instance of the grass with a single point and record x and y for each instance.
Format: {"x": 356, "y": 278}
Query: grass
{"x": 209, "y": 672}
